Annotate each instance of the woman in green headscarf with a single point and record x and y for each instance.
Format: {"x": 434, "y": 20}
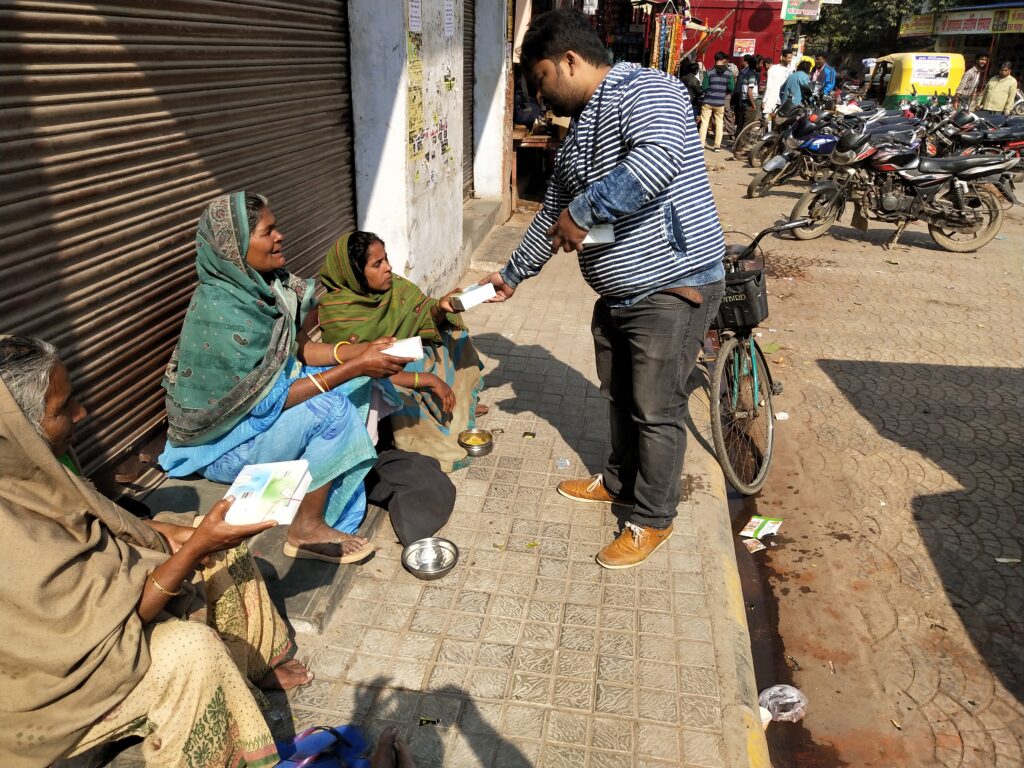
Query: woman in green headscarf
{"x": 246, "y": 385}
{"x": 440, "y": 392}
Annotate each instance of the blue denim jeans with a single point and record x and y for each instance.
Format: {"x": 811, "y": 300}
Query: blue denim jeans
{"x": 645, "y": 353}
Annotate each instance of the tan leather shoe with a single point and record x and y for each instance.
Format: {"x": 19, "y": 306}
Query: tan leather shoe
{"x": 635, "y": 544}
{"x": 589, "y": 489}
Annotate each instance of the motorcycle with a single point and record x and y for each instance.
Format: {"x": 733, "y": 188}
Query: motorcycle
{"x": 887, "y": 180}
{"x": 806, "y": 148}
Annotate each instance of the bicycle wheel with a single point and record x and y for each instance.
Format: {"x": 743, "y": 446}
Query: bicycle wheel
{"x": 746, "y": 138}
{"x": 742, "y": 418}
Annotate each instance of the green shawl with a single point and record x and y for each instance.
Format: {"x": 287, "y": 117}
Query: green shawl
{"x": 349, "y": 313}
{"x": 239, "y": 330}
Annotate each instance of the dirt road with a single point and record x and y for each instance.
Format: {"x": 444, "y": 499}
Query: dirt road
{"x": 900, "y": 477}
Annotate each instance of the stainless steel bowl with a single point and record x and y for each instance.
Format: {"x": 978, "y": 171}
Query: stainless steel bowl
{"x": 430, "y": 558}
{"x": 477, "y": 450}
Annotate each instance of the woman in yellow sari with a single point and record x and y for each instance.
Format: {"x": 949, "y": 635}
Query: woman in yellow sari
{"x": 440, "y": 392}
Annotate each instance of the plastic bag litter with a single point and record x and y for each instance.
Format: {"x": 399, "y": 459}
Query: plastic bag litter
{"x": 785, "y": 702}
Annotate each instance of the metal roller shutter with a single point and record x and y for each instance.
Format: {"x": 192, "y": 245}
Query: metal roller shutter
{"x": 468, "y": 80}
{"x": 119, "y": 121}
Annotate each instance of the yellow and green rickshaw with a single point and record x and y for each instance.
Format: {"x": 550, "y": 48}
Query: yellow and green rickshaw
{"x": 911, "y": 77}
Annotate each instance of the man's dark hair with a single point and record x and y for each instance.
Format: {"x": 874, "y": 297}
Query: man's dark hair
{"x": 804, "y": 66}
{"x": 359, "y": 243}
{"x": 822, "y": 56}
{"x": 721, "y": 55}
{"x": 554, "y": 33}
{"x": 751, "y": 61}
{"x": 979, "y": 56}
{"x": 1007, "y": 65}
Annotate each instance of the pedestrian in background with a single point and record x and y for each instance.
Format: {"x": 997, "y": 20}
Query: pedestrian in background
{"x": 1000, "y": 91}
{"x": 776, "y": 78}
{"x": 970, "y": 83}
{"x": 744, "y": 98}
{"x": 717, "y": 86}
{"x": 798, "y": 85}
{"x": 824, "y": 75}
{"x": 631, "y": 166}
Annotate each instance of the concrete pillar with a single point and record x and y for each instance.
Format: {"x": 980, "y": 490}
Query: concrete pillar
{"x": 407, "y": 94}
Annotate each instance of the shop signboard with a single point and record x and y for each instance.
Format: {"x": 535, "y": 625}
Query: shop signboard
{"x": 930, "y": 70}
{"x": 918, "y": 25}
{"x": 801, "y": 10}
{"x": 965, "y": 23}
{"x": 1008, "y": 21}
{"x": 744, "y": 46}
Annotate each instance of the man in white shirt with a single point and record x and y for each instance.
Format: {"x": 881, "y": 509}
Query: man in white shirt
{"x": 777, "y": 74}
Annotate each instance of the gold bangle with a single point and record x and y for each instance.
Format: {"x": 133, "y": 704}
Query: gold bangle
{"x": 165, "y": 591}
{"x": 415, "y": 380}
{"x": 316, "y": 383}
{"x": 323, "y": 381}
{"x": 334, "y": 352}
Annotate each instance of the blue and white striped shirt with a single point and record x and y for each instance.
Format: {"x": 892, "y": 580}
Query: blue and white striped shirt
{"x": 633, "y": 159}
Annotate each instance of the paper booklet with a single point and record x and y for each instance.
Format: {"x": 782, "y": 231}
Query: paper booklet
{"x": 268, "y": 492}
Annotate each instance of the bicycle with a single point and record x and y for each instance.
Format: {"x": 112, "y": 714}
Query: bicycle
{"x": 742, "y": 415}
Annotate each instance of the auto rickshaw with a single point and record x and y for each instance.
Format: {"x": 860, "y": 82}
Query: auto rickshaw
{"x": 911, "y": 77}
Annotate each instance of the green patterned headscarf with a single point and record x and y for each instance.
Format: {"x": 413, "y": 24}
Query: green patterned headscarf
{"x": 348, "y": 310}
{"x": 239, "y": 330}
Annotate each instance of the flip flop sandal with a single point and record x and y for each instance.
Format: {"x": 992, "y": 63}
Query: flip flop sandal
{"x": 481, "y": 410}
{"x": 305, "y": 553}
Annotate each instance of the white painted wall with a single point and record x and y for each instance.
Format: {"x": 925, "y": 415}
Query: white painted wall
{"x": 410, "y": 193}
{"x": 490, "y": 119}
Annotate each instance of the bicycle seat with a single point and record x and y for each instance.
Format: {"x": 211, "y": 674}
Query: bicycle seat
{"x": 956, "y": 165}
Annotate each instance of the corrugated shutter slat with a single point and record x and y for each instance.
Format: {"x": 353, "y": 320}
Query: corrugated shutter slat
{"x": 469, "y": 80}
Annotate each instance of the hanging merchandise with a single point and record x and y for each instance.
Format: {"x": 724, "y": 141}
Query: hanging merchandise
{"x": 668, "y": 38}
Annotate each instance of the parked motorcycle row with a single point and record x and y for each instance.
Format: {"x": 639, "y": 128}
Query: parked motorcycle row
{"x": 950, "y": 169}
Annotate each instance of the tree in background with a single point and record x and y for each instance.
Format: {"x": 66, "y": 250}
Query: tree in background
{"x": 869, "y": 26}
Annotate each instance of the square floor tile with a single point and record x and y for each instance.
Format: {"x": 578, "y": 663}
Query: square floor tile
{"x": 535, "y": 660}
{"x": 615, "y": 699}
{"x": 524, "y": 721}
{"x": 612, "y": 733}
{"x": 567, "y": 728}
{"x": 572, "y": 693}
{"x": 534, "y": 689}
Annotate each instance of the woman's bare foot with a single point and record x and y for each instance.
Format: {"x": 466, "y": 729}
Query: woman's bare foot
{"x": 324, "y": 534}
{"x": 482, "y": 410}
{"x": 326, "y": 544}
{"x": 284, "y": 677}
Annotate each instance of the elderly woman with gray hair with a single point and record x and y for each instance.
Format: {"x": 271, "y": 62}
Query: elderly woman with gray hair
{"x": 115, "y": 626}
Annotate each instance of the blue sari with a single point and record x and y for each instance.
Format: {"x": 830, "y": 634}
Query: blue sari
{"x": 327, "y": 430}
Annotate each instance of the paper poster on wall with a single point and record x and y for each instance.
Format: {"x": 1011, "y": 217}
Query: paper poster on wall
{"x": 449, "y": 18}
{"x": 415, "y": 15}
{"x": 414, "y": 96}
{"x": 744, "y": 46}
{"x": 930, "y": 70}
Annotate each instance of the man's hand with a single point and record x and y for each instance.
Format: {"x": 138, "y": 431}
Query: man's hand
{"x": 502, "y": 289}
{"x": 566, "y": 234}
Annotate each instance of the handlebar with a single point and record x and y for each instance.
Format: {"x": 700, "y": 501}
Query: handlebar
{"x": 784, "y": 227}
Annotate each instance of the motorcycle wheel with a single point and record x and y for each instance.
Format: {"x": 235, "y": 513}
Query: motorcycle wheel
{"x": 761, "y": 184}
{"x": 746, "y": 139}
{"x": 761, "y": 152}
{"x": 814, "y": 206}
{"x": 1018, "y": 108}
{"x": 983, "y": 200}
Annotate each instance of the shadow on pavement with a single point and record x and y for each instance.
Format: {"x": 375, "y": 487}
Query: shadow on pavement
{"x": 969, "y": 422}
{"x": 577, "y": 410}
{"x": 423, "y": 720}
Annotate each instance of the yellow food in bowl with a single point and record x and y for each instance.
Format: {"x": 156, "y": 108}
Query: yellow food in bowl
{"x": 475, "y": 440}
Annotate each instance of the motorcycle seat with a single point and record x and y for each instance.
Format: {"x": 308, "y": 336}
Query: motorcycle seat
{"x": 957, "y": 164}
{"x": 906, "y": 138}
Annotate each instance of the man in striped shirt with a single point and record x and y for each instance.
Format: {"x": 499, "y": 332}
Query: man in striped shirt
{"x": 630, "y": 173}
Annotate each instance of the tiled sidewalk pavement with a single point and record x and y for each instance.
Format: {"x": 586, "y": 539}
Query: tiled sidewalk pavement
{"x": 528, "y": 653}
